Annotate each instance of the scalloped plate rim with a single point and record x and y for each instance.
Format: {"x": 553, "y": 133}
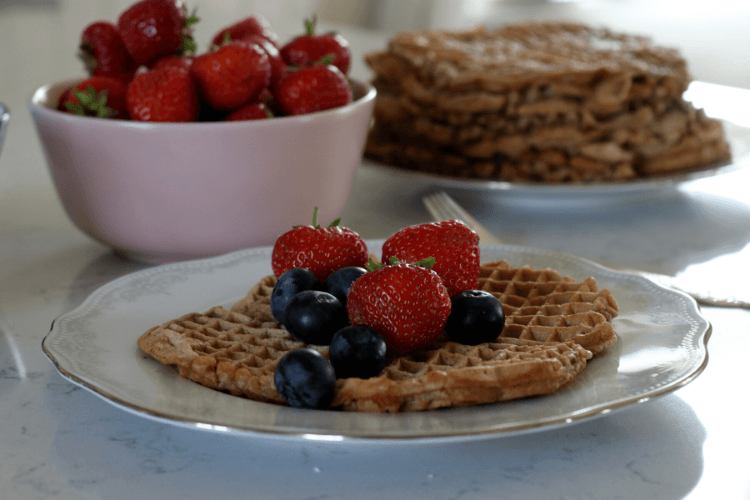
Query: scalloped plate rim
{"x": 92, "y": 306}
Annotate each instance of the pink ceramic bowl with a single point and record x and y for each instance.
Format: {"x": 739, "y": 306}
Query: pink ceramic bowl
{"x": 165, "y": 192}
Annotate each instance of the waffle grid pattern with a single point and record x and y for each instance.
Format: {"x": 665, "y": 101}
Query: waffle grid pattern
{"x": 236, "y": 351}
{"x": 542, "y": 305}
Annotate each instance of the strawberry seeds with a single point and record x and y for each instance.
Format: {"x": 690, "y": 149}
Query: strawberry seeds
{"x": 330, "y": 292}
{"x": 406, "y": 299}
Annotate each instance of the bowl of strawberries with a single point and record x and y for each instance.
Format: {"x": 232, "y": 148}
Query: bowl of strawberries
{"x": 165, "y": 152}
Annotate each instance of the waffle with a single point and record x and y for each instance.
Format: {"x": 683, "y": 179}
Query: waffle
{"x": 237, "y": 350}
{"x": 543, "y": 306}
{"x": 537, "y": 102}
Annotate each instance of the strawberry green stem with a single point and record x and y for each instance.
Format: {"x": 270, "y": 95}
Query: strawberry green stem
{"x": 327, "y": 59}
{"x": 192, "y": 19}
{"x": 427, "y": 263}
{"x": 310, "y": 25}
{"x": 373, "y": 266}
{"x": 315, "y": 220}
{"x": 90, "y": 100}
{"x": 187, "y": 44}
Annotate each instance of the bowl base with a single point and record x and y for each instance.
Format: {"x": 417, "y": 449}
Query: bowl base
{"x": 157, "y": 259}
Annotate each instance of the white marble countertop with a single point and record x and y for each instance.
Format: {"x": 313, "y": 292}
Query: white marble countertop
{"x": 58, "y": 441}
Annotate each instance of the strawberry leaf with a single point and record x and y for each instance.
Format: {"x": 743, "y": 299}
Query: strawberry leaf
{"x": 100, "y": 100}
{"x": 315, "y": 220}
{"x": 91, "y": 102}
{"x": 188, "y": 45}
{"x": 192, "y": 19}
{"x": 76, "y": 108}
{"x": 310, "y": 25}
{"x": 327, "y": 59}
{"x": 373, "y": 266}
{"x": 427, "y": 263}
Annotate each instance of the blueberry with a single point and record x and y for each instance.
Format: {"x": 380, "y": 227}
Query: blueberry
{"x": 287, "y": 286}
{"x": 305, "y": 379}
{"x": 476, "y": 316}
{"x": 339, "y": 283}
{"x": 313, "y": 317}
{"x": 357, "y": 351}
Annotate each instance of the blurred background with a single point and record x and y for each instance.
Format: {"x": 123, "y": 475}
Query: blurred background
{"x": 39, "y": 38}
{"x": 713, "y": 36}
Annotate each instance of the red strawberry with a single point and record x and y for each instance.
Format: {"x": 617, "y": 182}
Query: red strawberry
{"x": 313, "y": 88}
{"x": 252, "y": 111}
{"x": 278, "y": 66}
{"x": 233, "y": 75}
{"x": 453, "y": 244}
{"x": 98, "y": 96}
{"x": 152, "y": 29}
{"x": 408, "y": 305}
{"x": 181, "y": 62}
{"x": 320, "y": 250}
{"x": 253, "y": 25}
{"x": 265, "y": 97}
{"x": 310, "y": 48}
{"x": 163, "y": 95}
{"x": 103, "y": 52}
{"x": 63, "y": 99}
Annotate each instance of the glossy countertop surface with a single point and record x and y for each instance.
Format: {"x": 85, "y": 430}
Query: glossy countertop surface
{"x": 59, "y": 441}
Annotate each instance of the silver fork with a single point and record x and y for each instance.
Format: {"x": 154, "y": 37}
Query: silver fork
{"x": 442, "y": 207}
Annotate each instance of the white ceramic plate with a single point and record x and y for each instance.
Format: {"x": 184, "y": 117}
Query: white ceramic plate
{"x": 661, "y": 346}
{"x": 730, "y": 104}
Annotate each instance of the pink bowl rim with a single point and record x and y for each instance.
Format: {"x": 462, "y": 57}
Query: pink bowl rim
{"x": 364, "y": 93}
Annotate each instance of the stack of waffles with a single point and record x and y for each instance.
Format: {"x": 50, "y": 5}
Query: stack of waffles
{"x": 537, "y": 102}
{"x": 554, "y": 325}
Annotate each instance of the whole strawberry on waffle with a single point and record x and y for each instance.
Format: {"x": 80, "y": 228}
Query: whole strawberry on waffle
{"x": 453, "y": 245}
{"x": 406, "y": 304}
{"x": 321, "y": 250}
{"x": 547, "y": 327}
